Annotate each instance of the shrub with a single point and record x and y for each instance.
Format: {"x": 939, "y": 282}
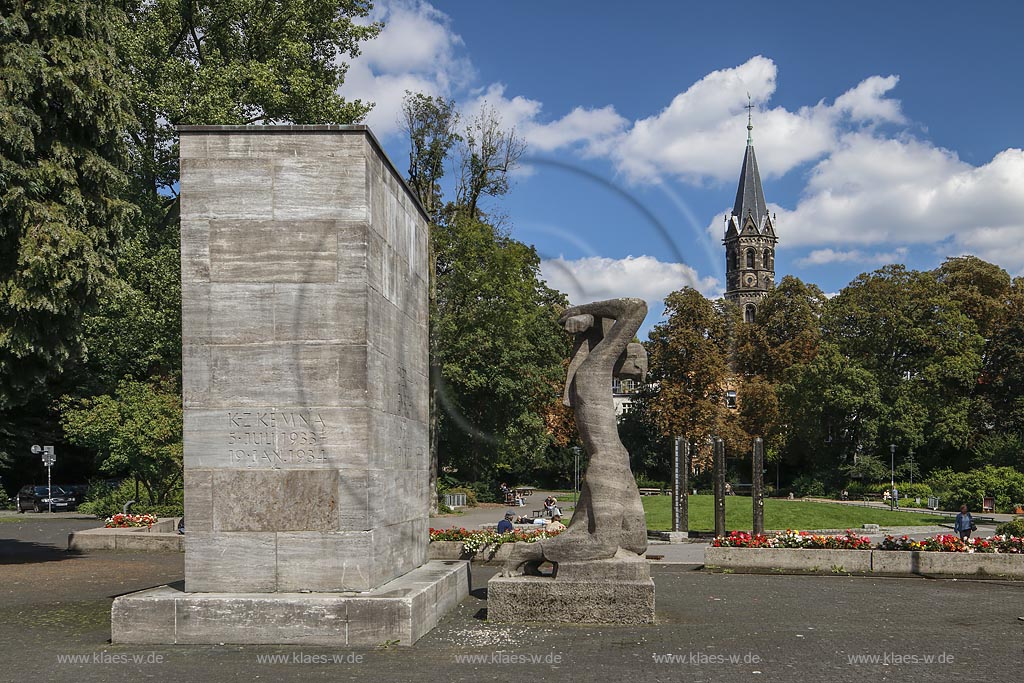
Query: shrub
{"x": 1014, "y": 528}
{"x": 471, "y": 500}
{"x": 106, "y": 501}
{"x": 645, "y": 482}
{"x": 857, "y": 489}
{"x": 909, "y": 491}
{"x": 807, "y": 485}
{"x": 485, "y": 492}
{"x": 5, "y": 500}
{"x": 1005, "y": 484}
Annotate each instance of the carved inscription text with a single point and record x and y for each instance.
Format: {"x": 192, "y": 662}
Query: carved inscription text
{"x": 271, "y": 438}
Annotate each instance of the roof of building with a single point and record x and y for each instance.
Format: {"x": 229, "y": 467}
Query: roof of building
{"x": 749, "y": 194}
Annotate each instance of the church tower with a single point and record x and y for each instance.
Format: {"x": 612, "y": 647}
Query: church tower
{"x": 749, "y": 238}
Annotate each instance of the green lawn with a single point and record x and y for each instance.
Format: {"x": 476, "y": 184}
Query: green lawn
{"x": 781, "y": 514}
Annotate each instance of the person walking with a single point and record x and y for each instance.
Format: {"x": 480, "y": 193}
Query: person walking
{"x": 964, "y": 524}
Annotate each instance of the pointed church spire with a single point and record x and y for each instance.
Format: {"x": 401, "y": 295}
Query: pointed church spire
{"x": 749, "y": 236}
{"x": 749, "y": 195}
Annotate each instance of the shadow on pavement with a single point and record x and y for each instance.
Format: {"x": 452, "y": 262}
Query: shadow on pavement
{"x": 13, "y": 551}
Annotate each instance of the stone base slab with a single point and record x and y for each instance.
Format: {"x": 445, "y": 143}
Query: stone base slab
{"x": 401, "y": 610}
{"x": 541, "y": 599}
{"x": 161, "y": 537}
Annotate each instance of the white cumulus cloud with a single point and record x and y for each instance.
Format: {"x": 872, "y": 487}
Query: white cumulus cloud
{"x": 417, "y": 51}
{"x": 820, "y": 257}
{"x": 592, "y": 130}
{"x": 698, "y": 135}
{"x": 594, "y": 278}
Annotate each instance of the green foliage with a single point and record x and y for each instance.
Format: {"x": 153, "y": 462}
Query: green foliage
{"x": 62, "y": 206}
{"x": 923, "y": 353}
{"x": 1004, "y": 366}
{"x": 486, "y": 156}
{"x": 831, "y": 405}
{"x": 471, "y": 500}
{"x": 1002, "y": 449}
{"x": 909, "y": 492}
{"x": 499, "y": 350}
{"x": 781, "y": 514}
{"x": 1012, "y": 528}
{"x": 689, "y": 361}
{"x": 807, "y": 485}
{"x": 136, "y": 431}
{"x": 431, "y": 125}
{"x": 969, "y": 488}
{"x": 650, "y": 453}
{"x": 105, "y": 501}
{"x": 868, "y": 470}
{"x": 785, "y": 332}
{"x": 236, "y": 62}
{"x": 644, "y": 481}
{"x": 5, "y": 500}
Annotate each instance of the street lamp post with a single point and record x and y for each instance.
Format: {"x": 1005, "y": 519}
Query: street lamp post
{"x": 892, "y": 473}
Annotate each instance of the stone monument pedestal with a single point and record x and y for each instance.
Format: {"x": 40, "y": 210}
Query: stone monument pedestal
{"x": 401, "y": 610}
{"x": 304, "y": 269}
{"x": 614, "y": 591}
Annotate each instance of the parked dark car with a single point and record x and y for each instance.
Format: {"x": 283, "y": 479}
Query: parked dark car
{"x": 76, "y": 491}
{"x": 34, "y": 497}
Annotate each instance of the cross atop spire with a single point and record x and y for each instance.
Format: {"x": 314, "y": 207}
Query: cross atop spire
{"x": 750, "y": 123}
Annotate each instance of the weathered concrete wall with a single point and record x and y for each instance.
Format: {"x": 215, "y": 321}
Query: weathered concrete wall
{"x": 900, "y": 563}
{"x": 947, "y": 564}
{"x": 304, "y": 330}
{"x": 788, "y": 558}
{"x": 454, "y": 550}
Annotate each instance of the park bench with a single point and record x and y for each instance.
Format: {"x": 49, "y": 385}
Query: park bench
{"x": 651, "y": 492}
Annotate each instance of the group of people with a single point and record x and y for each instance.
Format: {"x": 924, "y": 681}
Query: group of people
{"x": 510, "y": 520}
{"x": 551, "y": 511}
{"x": 511, "y": 496}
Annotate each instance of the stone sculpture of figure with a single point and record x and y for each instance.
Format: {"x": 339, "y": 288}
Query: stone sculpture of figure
{"x": 609, "y": 519}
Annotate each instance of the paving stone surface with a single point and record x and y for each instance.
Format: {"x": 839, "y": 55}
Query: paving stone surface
{"x": 719, "y": 627}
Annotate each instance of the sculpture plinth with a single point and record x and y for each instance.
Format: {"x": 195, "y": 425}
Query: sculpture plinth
{"x": 304, "y": 332}
{"x": 600, "y": 573}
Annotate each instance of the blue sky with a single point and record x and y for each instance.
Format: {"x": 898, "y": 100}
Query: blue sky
{"x": 885, "y": 132}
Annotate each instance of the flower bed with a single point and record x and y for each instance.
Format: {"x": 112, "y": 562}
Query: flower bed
{"x": 949, "y": 543}
{"x": 943, "y": 555}
{"x": 473, "y": 540}
{"x": 793, "y": 539}
{"x": 122, "y": 521}
{"x": 944, "y": 543}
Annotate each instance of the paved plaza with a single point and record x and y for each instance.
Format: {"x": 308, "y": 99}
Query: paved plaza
{"x": 55, "y": 625}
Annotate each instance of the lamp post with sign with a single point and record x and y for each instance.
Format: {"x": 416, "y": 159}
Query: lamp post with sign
{"x": 48, "y": 459}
